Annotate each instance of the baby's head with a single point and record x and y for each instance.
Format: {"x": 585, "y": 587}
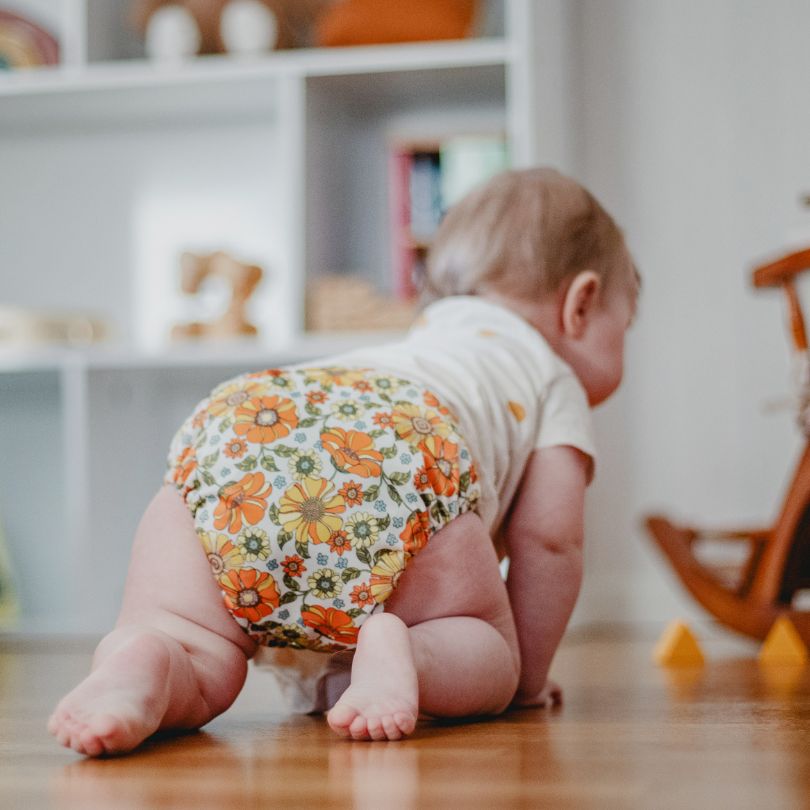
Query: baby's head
{"x": 538, "y": 242}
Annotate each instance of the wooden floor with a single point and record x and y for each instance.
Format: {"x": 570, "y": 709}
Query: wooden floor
{"x": 630, "y": 735}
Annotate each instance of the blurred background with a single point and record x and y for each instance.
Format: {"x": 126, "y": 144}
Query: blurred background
{"x": 154, "y": 155}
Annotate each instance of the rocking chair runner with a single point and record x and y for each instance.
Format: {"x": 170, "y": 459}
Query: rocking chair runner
{"x": 778, "y": 559}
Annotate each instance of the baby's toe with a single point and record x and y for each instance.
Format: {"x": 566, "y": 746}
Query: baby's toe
{"x": 90, "y": 744}
{"x": 405, "y": 721}
{"x": 375, "y": 728}
{"x": 340, "y": 718}
{"x": 359, "y": 728}
{"x": 392, "y": 730}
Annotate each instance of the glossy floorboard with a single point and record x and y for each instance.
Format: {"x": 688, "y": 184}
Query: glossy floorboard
{"x": 731, "y": 734}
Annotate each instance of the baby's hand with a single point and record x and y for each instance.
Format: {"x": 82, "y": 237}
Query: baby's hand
{"x": 549, "y": 695}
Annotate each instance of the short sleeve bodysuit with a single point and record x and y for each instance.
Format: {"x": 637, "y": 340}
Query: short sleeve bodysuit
{"x": 510, "y": 392}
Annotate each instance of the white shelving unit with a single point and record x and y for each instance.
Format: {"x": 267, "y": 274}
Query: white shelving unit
{"x": 112, "y": 166}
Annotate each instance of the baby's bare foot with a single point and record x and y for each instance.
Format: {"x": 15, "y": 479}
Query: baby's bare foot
{"x": 382, "y": 701}
{"x": 120, "y": 703}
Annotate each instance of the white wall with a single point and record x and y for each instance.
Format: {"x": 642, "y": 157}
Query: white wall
{"x": 691, "y": 124}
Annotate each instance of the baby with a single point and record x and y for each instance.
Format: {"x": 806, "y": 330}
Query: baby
{"x": 358, "y": 507}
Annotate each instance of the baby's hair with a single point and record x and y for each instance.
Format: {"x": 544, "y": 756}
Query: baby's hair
{"x": 523, "y": 233}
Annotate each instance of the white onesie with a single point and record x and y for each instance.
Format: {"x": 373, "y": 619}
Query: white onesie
{"x": 511, "y": 393}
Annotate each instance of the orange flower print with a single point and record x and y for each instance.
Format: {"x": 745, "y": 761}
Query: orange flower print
{"x": 361, "y": 595}
{"x": 441, "y": 464}
{"x": 249, "y": 593}
{"x": 383, "y": 420}
{"x": 473, "y": 473}
{"x": 353, "y": 451}
{"x": 339, "y": 542}
{"x": 185, "y": 465}
{"x": 331, "y": 622}
{"x": 246, "y": 499}
{"x": 265, "y": 419}
{"x": 199, "y": 419}
{"x": 221, "y": 552}
{"x": 416, "y": 532}
{"x": 310, "y": 509}
{"x": 316, "y": 397}
{"x": 232, "y": 395}
{"x": 294, "y": 566}
{"x": 415, "y": 424}
{"x": 385, "y": 574}
{"x": 362, "y": 386}
{"x": 353, "y": 493}
{"x": 276, "y": 376}
{"x": 421, "y": 480}
{"x": 432, "y": 401}
{"x": 235, "y": 448}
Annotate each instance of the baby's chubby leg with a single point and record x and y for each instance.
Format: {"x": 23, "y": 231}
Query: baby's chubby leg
{"x": 176, "y": 658}
{"x": 445, "y": 645}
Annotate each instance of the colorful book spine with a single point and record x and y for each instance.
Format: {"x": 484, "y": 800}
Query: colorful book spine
{"x": 402, "y": 249}
{"x": 424, "y": 181}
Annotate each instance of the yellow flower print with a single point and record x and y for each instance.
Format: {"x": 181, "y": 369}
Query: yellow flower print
{"x": 305, "y": 464}
{"x": 362, "y": 529}
{"x": 335, "y": 375}
{"x": 325, "y": 583}
{"x": 310, "y": 509}
{"x": 414, "y": 424}
{"x": 254, "y": 544}
{"x": 292, "y": 635}
{"x": 385, "y": 384}
{"x": 221, "y": 552}
{"x": 230, "y": 396}
{"x": 347, "y": 410}
{"x": 385, "y": 574}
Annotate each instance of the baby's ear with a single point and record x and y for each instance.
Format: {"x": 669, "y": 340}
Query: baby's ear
{"x": 579, "y": 302}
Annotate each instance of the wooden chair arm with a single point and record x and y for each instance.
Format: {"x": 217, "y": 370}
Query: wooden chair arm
{"x": 782, "y": 273}
{"x": 753, "y": 535}
{"x": 782, "y": 270}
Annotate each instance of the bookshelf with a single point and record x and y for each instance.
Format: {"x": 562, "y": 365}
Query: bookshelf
{"x": 113, "y": 165}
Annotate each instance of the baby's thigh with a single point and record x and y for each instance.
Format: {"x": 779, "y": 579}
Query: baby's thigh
{"x": 455, "y": 574}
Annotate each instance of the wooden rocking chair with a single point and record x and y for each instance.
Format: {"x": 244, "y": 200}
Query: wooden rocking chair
{"x": 777, "y": 562}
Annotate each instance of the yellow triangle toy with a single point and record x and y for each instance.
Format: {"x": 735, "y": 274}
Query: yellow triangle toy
{"x": 783, "y": 645}
{"x": 678, "y": 647}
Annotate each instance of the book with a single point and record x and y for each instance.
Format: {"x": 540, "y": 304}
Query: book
{"x": 402, "y": 249}
{"x": 425, "y": 179}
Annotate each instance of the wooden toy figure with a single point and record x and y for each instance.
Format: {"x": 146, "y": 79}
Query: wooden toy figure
{"x": 778, "y": 560}
{"x": 243, "y": 280}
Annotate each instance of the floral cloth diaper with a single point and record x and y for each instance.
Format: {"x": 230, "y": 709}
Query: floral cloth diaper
{"x": 312, "y": 488}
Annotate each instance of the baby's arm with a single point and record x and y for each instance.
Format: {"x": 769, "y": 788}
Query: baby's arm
{"x": 544, "y": 541}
